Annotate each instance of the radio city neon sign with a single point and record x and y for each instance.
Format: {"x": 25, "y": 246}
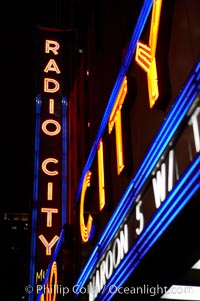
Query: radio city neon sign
{"x": 50, "y": 127}
{"x": 145, "y": 57}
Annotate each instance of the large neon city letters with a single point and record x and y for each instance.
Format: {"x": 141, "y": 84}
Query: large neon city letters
{"x": 50, "y": 86}
{"x": 145, "y": 57}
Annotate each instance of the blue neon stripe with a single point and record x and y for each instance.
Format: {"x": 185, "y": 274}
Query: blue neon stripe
{"x": 35, "y": 196}
{"x": 124, "y": 68}
{"x": 130, "y": 194}
{"x": 53, "y": 258}
{"x": 64, "y": 160}
{"x": 88, "y": 272}
{"x": 197, "y": 70}
{"x": 88, "y": 267}
{"x": 197, "y": 67}
{"x": 191, "y": 179}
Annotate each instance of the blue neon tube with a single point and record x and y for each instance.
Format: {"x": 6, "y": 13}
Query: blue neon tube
{"x": 35, "y": 196}
{"x": 64, "y": 160}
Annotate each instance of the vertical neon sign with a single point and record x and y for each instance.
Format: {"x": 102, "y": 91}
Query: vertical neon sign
{"x": 49, "y": 204}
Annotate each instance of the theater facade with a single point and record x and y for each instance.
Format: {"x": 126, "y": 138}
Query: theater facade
{"x": 137, "y": 200}
{"x": 117, "y": 157}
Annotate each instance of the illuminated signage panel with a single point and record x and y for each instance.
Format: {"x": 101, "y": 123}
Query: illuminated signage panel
{"x": 49, "y": 205}
{"x": 50, "y": 163}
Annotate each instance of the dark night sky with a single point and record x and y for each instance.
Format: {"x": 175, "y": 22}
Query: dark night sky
{"x": 18, "y": 26}
{"x": 17, "y": 104}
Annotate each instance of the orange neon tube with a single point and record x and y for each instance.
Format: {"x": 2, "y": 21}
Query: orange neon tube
{"x": 85, "y": 229}
{"x": 145, "y": 54}
{"x": 115, "y": 119}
